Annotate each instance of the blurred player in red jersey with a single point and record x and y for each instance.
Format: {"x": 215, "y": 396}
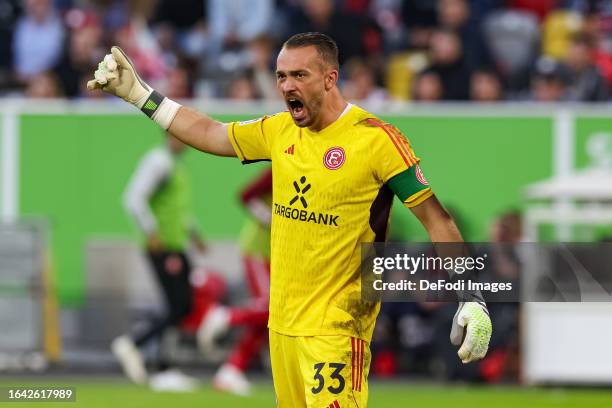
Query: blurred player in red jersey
{"x": 255, "y": 246}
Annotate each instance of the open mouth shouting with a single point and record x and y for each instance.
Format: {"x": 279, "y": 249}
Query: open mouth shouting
{"x": 296, "y": 108}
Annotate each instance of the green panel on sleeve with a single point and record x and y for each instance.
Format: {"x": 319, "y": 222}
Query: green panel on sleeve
{"x": 406, "y": 184}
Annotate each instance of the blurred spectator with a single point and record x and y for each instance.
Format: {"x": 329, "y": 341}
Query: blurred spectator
{"x": 361, "y": 83}
{"x": 388, "y": 16}
{"x": 485, "y": 86}
{"x": 116, "y": 13}
{"x": 419, "y": 17}
{"x": 540, "y": 8}
{"x": 504, "y": 265}
{"x": 8, "y": 19}
{"x": 479, "y": 9}
{"x": 166, "y": 39}
{"x": 548, "y": 84}
{"x": 234, "y": 22}
{"x": 180, "y": 14}
{"x": 357, "y": 36}
{"x": 500, "y": 40}
{"x": 447, "y": 61}
{"x": 242, "y": 89}
{"x": 38, "y": 40}
{"x": 82, "y": 53}
{"x": 403, "y": 339}
{"x": 140, "y": 44}
{"x": 428, "y": 87}
{"x": 144, "y": 9}
{"x": 261, "y": 61}
{"x": 178, "y": 83}
{"x": 63, "y": 5}
{"x": 456, "y": 15}
{"x": 43, "y": 85}
{"x": 513, "y": 38}
{"x": 557, "y": 31}
{"x": 585, "y": 81}
{"x": 600, "y": 28}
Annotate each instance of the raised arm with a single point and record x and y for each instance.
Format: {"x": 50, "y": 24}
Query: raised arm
{"x": 117, "y": 76}
{"x": 201, "y": 132}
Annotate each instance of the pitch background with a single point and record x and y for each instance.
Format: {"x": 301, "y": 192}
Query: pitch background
{"x": 105, "y": 392}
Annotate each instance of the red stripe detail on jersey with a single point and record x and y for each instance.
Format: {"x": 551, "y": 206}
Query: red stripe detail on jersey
{"x": 359, "y": 359}
{"x": 376, "y": 123}
{"x": 403, "y": 143}
{"x": 401, "y": 140}
{"x": 353, "y": 363}
{"x": 361, "y": 363}
{"x": 336, "y": 405}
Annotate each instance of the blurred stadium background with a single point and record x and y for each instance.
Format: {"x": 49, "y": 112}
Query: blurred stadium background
{"x": 506, "y": 101}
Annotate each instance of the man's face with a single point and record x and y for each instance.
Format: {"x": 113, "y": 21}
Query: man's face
{"x": 300, "y": 77}
{"x": 579, "y": 56}
{"x": 38, "y": 9}
{"x": 445, "y": 48}
{"x": 548, "y": 89}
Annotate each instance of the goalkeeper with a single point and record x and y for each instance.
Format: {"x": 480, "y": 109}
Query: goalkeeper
{"x": 336, "y": 168}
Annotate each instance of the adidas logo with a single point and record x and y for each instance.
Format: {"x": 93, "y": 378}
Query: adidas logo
{"x": 150, "y": 105}
{"x": 290, "y": 149}
{"x": 334, "y": 404}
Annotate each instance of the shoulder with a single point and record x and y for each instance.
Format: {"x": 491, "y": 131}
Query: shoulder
{"x": 272, "y": 119}
{"x": 279, "y": 122}
{"x": 269, "y": 125}
{"x": 21, "y": 26}
{"x": 371, "y": 125}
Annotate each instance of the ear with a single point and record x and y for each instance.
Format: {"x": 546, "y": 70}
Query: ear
{"x": 331, "y": 78}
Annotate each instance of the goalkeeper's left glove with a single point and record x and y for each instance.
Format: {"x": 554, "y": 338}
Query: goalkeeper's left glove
{"x": 117, "y": 75}
{"x": 471, "y": 330}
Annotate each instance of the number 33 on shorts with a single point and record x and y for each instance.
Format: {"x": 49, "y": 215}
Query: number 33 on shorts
{"x": 320, "y": 371}
{"x": 339, "y": 384}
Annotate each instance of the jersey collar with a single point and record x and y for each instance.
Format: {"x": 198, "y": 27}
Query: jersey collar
{"x": 335, "y": 124}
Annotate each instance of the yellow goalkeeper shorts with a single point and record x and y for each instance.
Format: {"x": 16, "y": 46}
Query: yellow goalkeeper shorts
{"x": 320, "y": 371}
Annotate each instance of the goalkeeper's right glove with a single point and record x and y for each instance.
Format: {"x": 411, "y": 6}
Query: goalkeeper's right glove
{"x": 471, "y": 330}
{"x": 116, "y": 75}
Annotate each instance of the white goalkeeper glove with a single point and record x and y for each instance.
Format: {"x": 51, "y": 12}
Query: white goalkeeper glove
{"x": 116, "y": 75}
{"x": 471, "y": 330}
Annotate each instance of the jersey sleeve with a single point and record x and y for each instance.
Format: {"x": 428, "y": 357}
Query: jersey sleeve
{"x": 251, "y": 139}
{"x": 396, "y": 165}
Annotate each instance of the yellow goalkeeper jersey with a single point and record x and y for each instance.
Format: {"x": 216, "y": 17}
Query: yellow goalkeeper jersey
{"x": 330, "y": 194}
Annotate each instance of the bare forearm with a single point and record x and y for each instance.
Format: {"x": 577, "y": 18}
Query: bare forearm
{"x": 444, "y": 230}
{"x": 440, "y": 227}
{"x": 201, "y": 132}
{"x": 438, "y": 223}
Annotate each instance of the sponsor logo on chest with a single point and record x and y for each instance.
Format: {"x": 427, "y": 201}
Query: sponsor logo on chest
{"x": 297, "y": 207}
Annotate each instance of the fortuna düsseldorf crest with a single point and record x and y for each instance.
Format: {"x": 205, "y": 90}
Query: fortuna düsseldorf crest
{"x": 334, "y": 158}
{"x": 420, "y": 176}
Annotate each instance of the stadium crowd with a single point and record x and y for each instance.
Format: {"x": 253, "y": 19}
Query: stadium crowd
{"x": 423, "y": 50}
